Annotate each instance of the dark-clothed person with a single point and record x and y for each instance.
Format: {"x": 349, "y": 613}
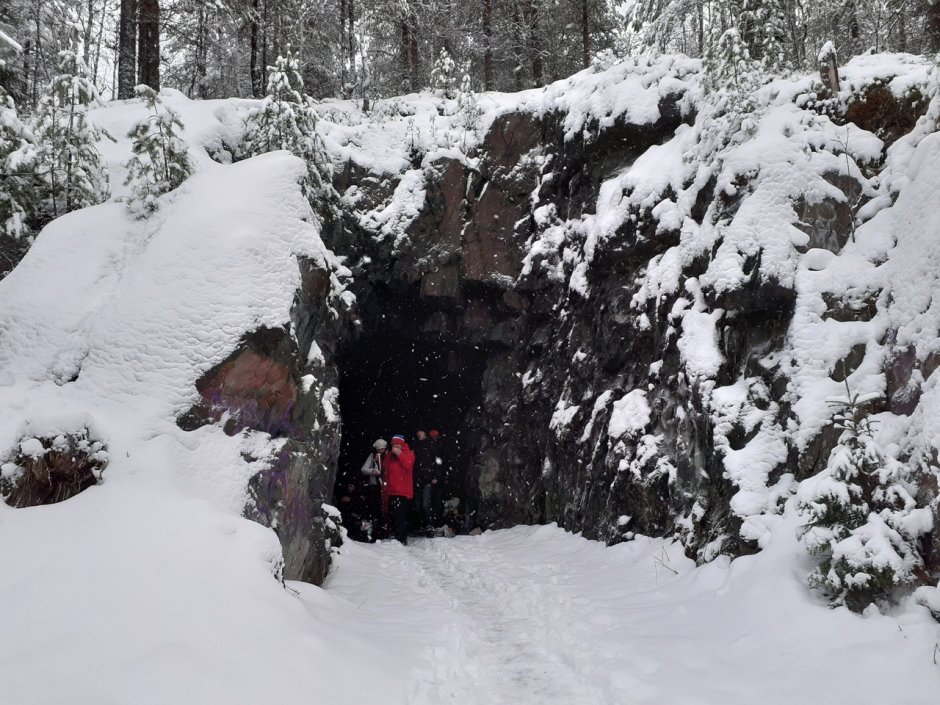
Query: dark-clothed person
{"x": 426, "y": 482}
{"x": 398, "y": 466}
{"x": 353, "y": 505}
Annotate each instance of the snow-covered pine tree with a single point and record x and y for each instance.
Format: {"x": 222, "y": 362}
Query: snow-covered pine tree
{"x": 288, "y": 120}
{"x": 730, "y": 70}
{"x": 444, "y": 76}
{"x": 18, "y": 203}
{"x": 859, "y": 517}
{"x": 762, "y": 27}
{"x": 731, "y": 77}
{"x": 69, "y": 168}
{"x": 468, "y": 110}
{"x": 160, "y": 161}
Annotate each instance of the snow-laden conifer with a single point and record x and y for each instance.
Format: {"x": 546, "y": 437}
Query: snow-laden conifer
{"x": 763, "y": 25}
{"x": 468, "y": 110}
{"x": 731, "y": 77}
{"x": 160, "y": 161}
{"x": 859, "y": 517}
{"x": 71, "y": 174}
{"x": 287, "y": 119}
{"x": 18, "y": 203}
{"x": 444, "y": 75}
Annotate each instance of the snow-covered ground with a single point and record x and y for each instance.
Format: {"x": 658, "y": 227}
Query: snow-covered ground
{"x": 527, "y": 616}
{"x": 535, "y": 615}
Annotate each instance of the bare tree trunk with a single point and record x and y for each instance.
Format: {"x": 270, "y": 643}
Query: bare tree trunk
{"x": 413, "y": 51}
{"x": 253, "y": 47}
{"x": 264, "y": 47}
{"x": 902, "y": 28}
{"x": 37, "y": 61}
{"x": 847, "y": 18}
{"x": 99, "y": 42}
{"x": 700, "y": 12}
{"x": 197, "y": 84}
{"x": 351, "y": 39}
{"x": 148, "y": 43}
{"x": 518, "y": 42}
{"x": 488, "y": 45}
{"x": 535, "y": 44}
{"x": 933, "y": 26}
{"x": 27, "y": 67}
{"x": 87, "y": 31}
{"x": 405, "y": 44}
{"x": 585, "y": 36}
{"x": 344, "y": 56}
{"x": 127, "y": 49}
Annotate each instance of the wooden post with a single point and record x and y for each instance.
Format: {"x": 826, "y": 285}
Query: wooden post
{"x": 829, "y": 67}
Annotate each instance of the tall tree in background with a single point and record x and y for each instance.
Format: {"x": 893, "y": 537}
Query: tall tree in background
{"x": 148, "y": 43}
{"x": 257, "y": 86}
{"x": 487, "y": 26}
{"x": 585, "y": 35}
{"x": 534, "y": 43}
{"x": 409, "y": 45}
{"x": 127, "y": 50}
{"x": 933, "y": 25}
{"x": 216, "y": 48}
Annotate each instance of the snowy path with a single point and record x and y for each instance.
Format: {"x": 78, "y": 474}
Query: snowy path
{"x": 520, "y": 628}
{"x": 533, "y": 616}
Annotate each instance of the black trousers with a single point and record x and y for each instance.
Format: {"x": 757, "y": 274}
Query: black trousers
{"x": 398, "y": 506}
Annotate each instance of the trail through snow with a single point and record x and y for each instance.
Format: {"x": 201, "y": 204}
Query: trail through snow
{"x": 519, "y": 634}
{"x": 533, "y": 615}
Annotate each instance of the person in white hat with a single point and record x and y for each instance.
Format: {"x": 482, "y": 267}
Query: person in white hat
{"x": 372, "y": 469}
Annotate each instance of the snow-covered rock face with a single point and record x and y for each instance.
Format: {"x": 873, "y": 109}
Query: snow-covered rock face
{"x": 149, "y": 337}
{"x": 664, "y": 325}
{"x": 661, "y": 321}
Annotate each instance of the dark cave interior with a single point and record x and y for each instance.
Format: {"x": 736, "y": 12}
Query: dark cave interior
{"x": 400, "y": 374}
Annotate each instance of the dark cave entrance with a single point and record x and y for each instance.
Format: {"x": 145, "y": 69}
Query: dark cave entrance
{"x": 408, "y": 369}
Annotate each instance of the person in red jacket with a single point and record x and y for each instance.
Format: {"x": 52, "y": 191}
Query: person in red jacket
{"x": 398, "y": 466}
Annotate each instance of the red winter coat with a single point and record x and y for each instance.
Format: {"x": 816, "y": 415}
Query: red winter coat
{"x": 399, "y": 473}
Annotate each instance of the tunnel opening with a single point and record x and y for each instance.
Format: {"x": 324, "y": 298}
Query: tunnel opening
{"x": 409, "y": 368}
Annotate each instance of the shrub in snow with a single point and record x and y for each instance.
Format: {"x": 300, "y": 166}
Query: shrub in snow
{"x": 287, "y": 120}
{"x": 49, "y": 470}
{"x": 860, "y": 517}
{"x": 69, "y": 168}
{"x": 444, "y": 76}
{"x": 160, "y": 162}
{"x": 18, "y": 201}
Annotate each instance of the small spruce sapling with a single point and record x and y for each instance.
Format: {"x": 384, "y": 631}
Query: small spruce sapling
{"x": 160, "y": 161}
{"x": 764, "y": 23}
{"x": 468, "y": 111}
{"x": 18, "y": 202}
{"x": 444, "y": 76}
{"x": 731, "y": 77}
{"x": 859, "y": 516}
{"x": 69, "y": 168}
{"x": 288, "y": 120}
